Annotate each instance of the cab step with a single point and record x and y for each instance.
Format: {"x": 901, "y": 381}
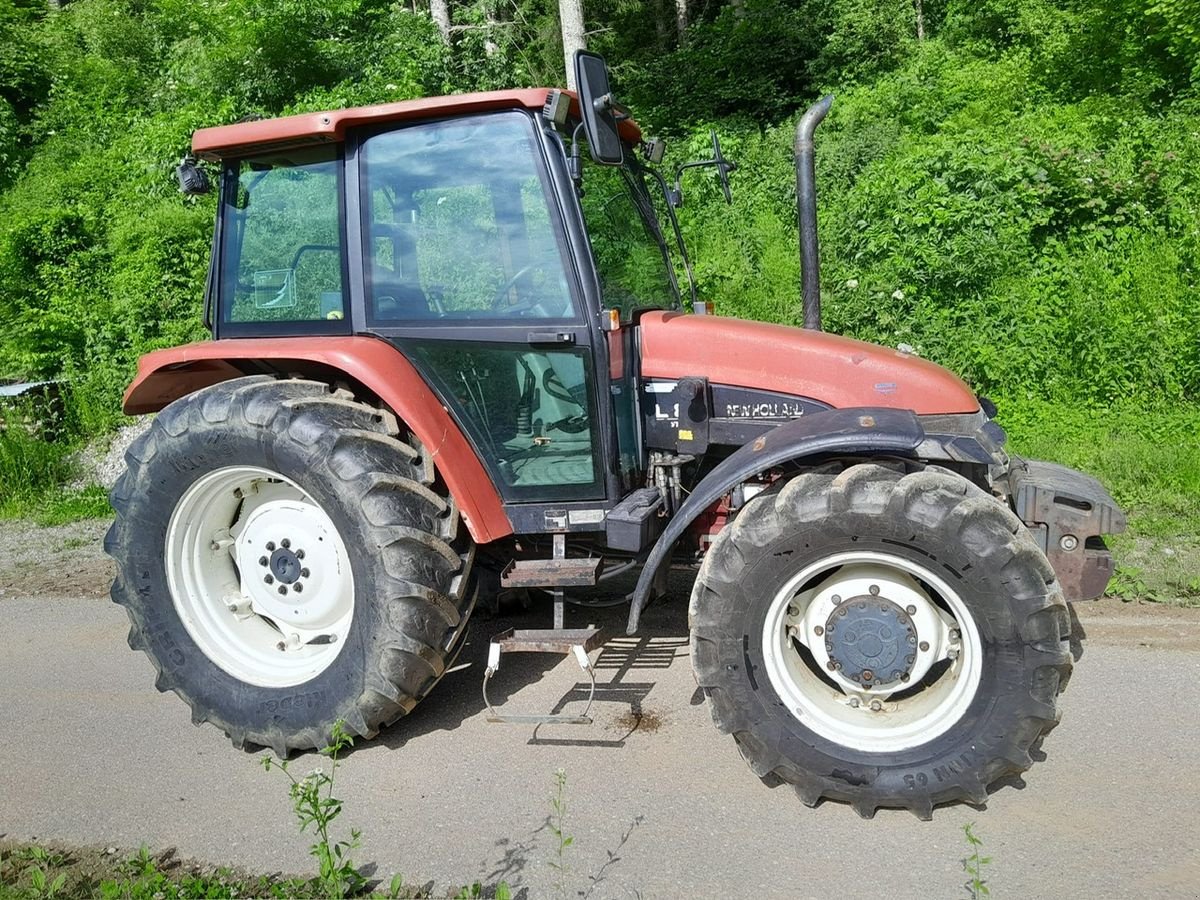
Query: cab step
{"x": 578, "y": 642}
{"x": 536, "y": 573}
{"x": 555, "y": 573}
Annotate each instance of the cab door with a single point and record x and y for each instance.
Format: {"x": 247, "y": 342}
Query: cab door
{"x": 465, "y": 268}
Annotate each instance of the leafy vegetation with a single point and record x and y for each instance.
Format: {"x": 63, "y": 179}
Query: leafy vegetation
{"x": 1013, "y": 189}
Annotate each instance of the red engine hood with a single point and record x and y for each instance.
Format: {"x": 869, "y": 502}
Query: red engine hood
{"x": 826, "y": 367}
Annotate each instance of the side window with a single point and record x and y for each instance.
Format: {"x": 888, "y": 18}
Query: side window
{"x": 283, "y": 253}
{"x": 628, "y": 253}
{"x": 527, "y": 410}
{"x": 458, "y": 224}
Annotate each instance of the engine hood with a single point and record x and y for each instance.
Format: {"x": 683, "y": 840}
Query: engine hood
{"x": 835, "y": 370}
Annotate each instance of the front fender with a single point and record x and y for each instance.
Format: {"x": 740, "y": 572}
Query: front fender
{"x": 167, "y": 375}
{"x": 897, "y": 432}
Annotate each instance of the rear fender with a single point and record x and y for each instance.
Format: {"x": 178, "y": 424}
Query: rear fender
{"x": 853, "y": 430}
{"x": 371, "y": 363}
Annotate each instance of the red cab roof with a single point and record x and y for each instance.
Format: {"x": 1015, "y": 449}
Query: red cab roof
{"x": 326, "y": 127}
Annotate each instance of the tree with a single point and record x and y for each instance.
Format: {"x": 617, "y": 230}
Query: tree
{"x": 439, "y": 10}
{"x": 570, "y": 16}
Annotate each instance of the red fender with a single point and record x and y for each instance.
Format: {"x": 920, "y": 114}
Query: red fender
{"x": 167, "y": 375}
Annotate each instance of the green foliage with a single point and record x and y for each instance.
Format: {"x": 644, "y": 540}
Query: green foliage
{"x": 975, "y": 864}
{"x": 315, "y": 805}
{"x": 557, "y": 824}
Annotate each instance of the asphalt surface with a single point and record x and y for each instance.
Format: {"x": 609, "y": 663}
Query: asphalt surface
{"x": 659, "y": 805}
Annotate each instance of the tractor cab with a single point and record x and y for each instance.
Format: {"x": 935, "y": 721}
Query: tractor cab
{"x": 469, "y": 242}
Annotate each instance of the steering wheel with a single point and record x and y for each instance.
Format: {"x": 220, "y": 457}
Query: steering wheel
{"x": 502, "y": 292}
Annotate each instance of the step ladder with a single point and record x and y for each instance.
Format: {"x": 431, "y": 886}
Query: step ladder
{"x": 556, "y": 573}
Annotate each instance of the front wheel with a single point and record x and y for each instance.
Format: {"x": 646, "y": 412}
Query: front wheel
{"x": 287, "y": 561}
{"x": 884, "y": 637}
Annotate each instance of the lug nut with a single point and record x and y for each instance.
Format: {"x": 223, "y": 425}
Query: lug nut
{"x": 952, "y": 653}
{"x": 233, "y": 607}
{"x": 269, "y": 579}
{"x": 263, "y": 561}
{"x": 270, "y": 545}
{"x": 874, "y": 589}
{"x": 923, "y": 646}
{"x": 297, "y": 587}
{"x": 1068, "y": 542}
{"x": 792, "y": 611}
{"x": 831, "y": 665}
{"x": 954, "y": 635}
{"x": 854, "y": 703}
{"x": 304, "y": 573}
{"x": 281, "y": 646}
{"x": 299, "y": 554}
{"x": 818, "y": 631}
{"x": 876, "y": 706}
{"x": 285, "y": 543}
{"x": 910, "y": 609}
{"x": 283, "y": 589}
{"x": 836, "y": 599}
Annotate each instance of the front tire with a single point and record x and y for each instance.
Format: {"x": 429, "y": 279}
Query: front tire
{"x": 883, "y": 637}
{"x": 287, "y": 562}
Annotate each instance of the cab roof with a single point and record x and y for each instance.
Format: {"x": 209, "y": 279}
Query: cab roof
{"x": 264, "y": 135}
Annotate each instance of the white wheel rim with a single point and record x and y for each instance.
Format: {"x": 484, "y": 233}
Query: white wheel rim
{"x": 888, "y": 715}
{"x": 259, "y": 576}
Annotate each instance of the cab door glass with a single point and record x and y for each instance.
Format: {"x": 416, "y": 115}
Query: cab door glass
{"x": 458, "y": 225}
{"x": 528, "y": 411}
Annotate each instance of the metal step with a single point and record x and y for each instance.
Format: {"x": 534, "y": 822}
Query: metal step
{"x": 531, "y": 573}
{"x": 565, "y": 641}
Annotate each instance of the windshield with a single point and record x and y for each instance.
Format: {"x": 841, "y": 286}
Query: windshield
{"x": 632, "y": 259}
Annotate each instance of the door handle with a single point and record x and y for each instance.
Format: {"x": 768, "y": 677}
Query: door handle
{"x": 551, "y": 337}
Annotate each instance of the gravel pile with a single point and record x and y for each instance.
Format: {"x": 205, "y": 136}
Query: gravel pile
{"x": 102, "y": 461}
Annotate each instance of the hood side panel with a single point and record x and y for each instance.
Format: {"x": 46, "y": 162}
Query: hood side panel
{"x": 835, "y": 370}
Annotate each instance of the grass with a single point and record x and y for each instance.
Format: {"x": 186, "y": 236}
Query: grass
{"x": 34, "y": 475}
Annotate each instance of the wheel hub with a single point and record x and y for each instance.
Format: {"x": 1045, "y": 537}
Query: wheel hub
{"x": 871, "y": 640}
{"x": 285, "y": 565}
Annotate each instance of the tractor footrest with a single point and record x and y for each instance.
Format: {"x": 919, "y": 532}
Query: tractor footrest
{"x": 528, "y": 573}
{"x": 565, "y": 641}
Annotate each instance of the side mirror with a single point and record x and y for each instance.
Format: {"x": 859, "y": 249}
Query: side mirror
{"x": 193, "y": 180}
{"x": 599, "y": 110}
{"x": 719, "y": 162}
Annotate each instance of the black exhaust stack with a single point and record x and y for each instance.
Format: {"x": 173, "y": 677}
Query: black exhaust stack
{"x": 806, "y": 210}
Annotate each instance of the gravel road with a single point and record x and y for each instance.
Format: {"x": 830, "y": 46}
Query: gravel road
{"x": 659, "y": 804}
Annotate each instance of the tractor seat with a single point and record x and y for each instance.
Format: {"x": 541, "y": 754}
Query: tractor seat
{"x": 397, "y": 299}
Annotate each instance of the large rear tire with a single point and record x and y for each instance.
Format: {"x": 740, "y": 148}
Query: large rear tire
{"x": 288, "y": 561}
{"x": 879, "y": 636}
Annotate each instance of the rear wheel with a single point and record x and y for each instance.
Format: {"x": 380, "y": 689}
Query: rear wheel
{"x": 287, "y": 562}
{"x": 882, "y": 637}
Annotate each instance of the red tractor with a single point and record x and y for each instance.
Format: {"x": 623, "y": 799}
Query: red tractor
{"x": 450, "y": 357}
